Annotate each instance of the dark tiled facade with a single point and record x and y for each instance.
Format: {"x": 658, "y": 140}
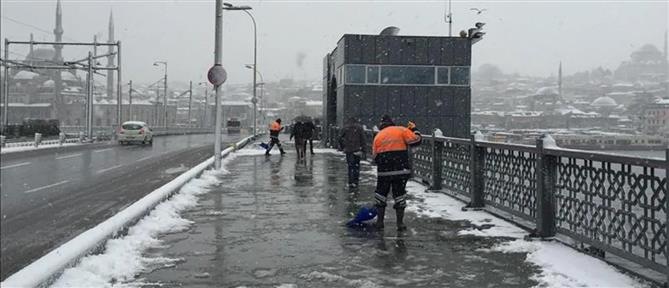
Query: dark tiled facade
{"x": 425, "y": 79}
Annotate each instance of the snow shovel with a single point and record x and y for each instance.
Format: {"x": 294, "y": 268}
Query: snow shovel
{"x": 364, "y": 214}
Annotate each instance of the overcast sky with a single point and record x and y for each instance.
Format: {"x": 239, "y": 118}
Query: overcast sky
{"x": 528, "y": 37}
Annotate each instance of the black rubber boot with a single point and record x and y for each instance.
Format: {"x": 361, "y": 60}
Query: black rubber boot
{"x": 400, "y": 219}
{"x": 380, "y": 214}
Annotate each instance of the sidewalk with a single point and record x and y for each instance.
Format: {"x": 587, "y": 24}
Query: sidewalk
{"x": 273, "y": 222}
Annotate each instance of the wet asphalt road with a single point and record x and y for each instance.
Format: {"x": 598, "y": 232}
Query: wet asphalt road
{"x": 48, "y": 197}
{"x": 275, "y": 222}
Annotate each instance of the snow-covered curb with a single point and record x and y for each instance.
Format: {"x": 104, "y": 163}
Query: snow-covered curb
{"x": 32, "y": 147}
{"x": 561, "y": 266}
{"x": 123, "y": 258}
{"x": 45, "y": 268}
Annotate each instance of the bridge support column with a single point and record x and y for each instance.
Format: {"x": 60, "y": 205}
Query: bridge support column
{"x": 437, "y": 162}
{"x": 546, "y": 180}
{"x": 476, "y": 168}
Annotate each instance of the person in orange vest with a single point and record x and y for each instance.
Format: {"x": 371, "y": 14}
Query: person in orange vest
{"x": 274, "y": 130}
{"x": 391, "y": 154}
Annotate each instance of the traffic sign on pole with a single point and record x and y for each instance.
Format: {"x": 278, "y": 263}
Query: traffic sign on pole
{"x": 217, "y": 75}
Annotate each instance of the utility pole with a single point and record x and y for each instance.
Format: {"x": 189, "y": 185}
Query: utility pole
{"x": 218, "y": 42}
{"x": 119, "y": 97}
{"x": 130, "y": 116}
{"x": 5, "y": 87}
{"x": 190, "y": 102}
{"x": 158, "y": 122}
{"x": 165, "y": 95}
{"x": 89, "y": 102}
{"x": 205, "y": 121}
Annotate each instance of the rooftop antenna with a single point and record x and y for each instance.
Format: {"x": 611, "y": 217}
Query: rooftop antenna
{"x": 449, "y": 19}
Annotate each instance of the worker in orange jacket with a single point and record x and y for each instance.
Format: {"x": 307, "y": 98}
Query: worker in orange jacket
{"x": 391, "y": 155}
{"x": 274, "y": 130}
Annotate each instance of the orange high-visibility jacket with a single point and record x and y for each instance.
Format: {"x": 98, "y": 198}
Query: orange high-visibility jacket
{"x": 394, "y": 138}
{"x": 274, "y": 129}
{"x": 390, "y": 151}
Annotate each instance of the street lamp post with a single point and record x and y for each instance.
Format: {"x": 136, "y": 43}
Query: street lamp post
{"x": 245, "y": 8}
{"x": 130, "y": 101}
{"x": 255, "y": 86}
{"x": 190, "y": 102}
{"x": 164, "y": 63}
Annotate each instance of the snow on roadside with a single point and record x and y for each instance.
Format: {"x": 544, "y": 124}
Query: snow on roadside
{"x": 30, "y": 148}
{"x": 561, "y": 266}
{"x": 123, "y": 257}
{"x": 438, "y": 205}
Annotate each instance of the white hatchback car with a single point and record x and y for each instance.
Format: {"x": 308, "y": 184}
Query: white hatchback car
{"x": 135, "y": 131}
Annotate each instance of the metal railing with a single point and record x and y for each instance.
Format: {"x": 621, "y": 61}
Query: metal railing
{"x": 614, "y": 203}
{"x": 73, "y": 134}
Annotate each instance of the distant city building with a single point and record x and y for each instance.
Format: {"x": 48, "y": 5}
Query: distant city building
{"x": 646, "y": 64}
{"x": 656, "y": 117}
{"x": 421, "y": 78}
{"x": 57, "y": 94}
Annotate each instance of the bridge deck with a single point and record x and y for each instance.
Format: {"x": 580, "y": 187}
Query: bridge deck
{"x": 274, "y": 222}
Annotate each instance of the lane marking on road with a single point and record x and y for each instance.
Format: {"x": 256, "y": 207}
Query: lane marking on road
{"x": 15, "y": 165}
{"x": 102, "y": 150}
{"x": 47, "y": 186}
{"x": 68, "y": 156}
{"x": 107, "y": 169}
{"x": 144, "y": 158}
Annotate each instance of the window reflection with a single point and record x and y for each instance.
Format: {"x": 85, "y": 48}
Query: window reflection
{"x": 355, "y": 74}
{"x": 405, "y": 75}
{"x": 460, "y": 75}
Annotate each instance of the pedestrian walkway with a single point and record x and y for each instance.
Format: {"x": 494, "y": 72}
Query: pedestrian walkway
{"x": 276, "y": 222}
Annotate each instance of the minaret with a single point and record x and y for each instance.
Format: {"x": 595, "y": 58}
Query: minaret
{"x": 32, "y": 48}
{"x": 666, "y": 46}
{"x": 560, "y": 81}
{"x": 110, "y": 58}
{"x": 58, "y": 58}
{"x": 31, "y": 44}
{"x": 58, "y": 33}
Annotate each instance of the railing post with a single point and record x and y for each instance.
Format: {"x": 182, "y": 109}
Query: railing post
{"x": 38, "y": 139}
{"x": 666, "y": 211}
{"x": 81, "y": 137}
{"x": 476, "y": 169}
{"x": 2, "y": 141}
{"x": 61, "y": 138}
{"x": 437, "y": 162}
{"x": 546, "y": 180}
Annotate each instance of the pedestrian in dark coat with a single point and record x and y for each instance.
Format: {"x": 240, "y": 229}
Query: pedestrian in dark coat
{"x": 310, "y": 133}
{"x": 299, "y": 132}
{"x": 352, "y": 142}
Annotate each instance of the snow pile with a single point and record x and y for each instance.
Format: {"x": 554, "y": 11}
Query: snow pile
{"x": 439, "y": 205}
{"x": 478, "y": 136}
{"x": 565, "y": 267}
{"x": 549, "y": 142}
{"x": 122, "y": 258}
{"x": 333, "y": 278}
{"x": 328, "y": 150}
{"x": 561, "y": 266}
{"x": 32, "y": 147}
